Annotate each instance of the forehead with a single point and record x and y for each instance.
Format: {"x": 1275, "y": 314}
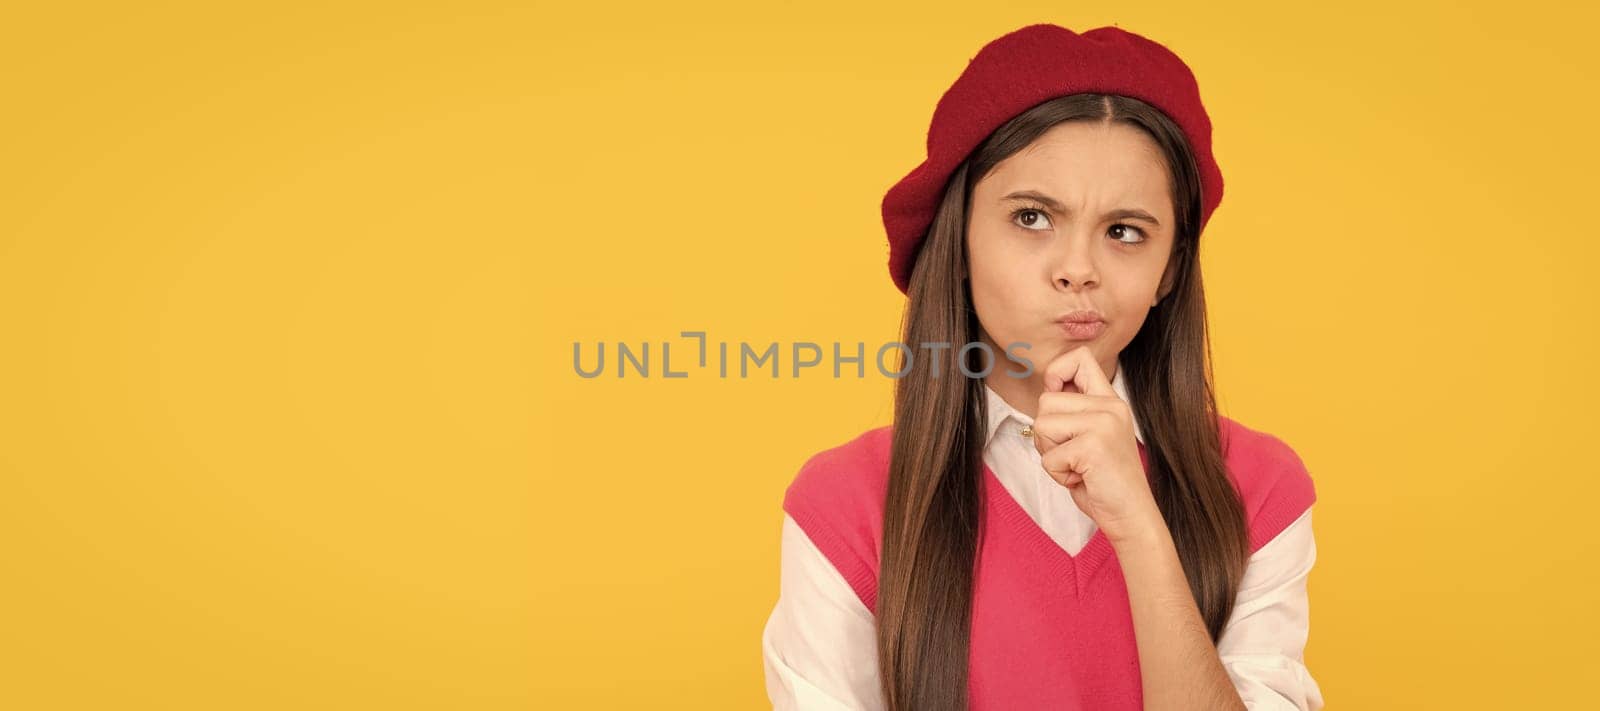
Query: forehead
{"x": 1080, "y": 161}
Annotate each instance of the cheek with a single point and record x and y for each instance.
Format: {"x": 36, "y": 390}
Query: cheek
{"x": 1132, "y": 294}
{"x": 1130, "y": 297}
{"x": 999, "y": 257}
{"x": 981, "y": 248}
{"x": 1000, "y": 304}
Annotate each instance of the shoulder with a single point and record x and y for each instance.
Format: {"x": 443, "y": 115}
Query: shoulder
{"x": 837, "y": 500}
{"x": 858, "y": 467}
{"x": 1271, "y": 478}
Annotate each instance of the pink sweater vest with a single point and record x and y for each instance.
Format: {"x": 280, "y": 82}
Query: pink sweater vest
{"x": 1049, "y": 630}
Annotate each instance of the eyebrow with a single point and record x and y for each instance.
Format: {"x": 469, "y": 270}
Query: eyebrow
{"x": 1053, "y": 204}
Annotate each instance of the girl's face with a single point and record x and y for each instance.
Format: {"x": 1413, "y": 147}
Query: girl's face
{"x": 1080, "y": 219}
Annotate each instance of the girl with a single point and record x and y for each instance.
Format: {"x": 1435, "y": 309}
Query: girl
{"x": 1086, "y": 532}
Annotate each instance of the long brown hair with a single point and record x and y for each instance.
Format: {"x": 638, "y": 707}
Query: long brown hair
{"x": 931, "y": 515}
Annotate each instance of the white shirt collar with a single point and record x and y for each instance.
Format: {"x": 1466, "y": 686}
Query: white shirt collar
{"x": 1003, "y": 415}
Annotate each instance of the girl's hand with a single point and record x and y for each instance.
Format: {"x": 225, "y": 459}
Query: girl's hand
{"x": 1084, "y": 433}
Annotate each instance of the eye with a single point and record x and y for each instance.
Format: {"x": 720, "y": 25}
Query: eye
{"x": 1029, "y": 212}
{"x": 1127, "y": 228}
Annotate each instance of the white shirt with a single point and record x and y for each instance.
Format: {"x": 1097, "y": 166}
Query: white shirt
{"x": 820, "y": 643}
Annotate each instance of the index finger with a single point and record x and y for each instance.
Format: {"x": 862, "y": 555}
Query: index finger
{"x": 1078, "y": 368}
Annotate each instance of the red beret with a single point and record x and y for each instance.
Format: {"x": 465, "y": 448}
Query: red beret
{"x": 1025, "y": 68}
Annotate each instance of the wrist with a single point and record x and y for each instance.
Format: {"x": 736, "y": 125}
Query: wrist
{"x": 1149, "y": 531}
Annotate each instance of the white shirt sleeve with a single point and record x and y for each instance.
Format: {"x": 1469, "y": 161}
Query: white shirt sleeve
{"x": 820, "y": 645}
{"x": 1262, "y": 645}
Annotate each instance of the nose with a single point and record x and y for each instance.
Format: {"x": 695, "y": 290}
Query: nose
{"x": 1074, "y": 264}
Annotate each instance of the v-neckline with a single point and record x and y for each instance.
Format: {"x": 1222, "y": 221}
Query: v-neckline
{"x": 1082, "y": 566}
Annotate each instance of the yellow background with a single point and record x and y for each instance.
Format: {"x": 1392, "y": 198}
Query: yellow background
{"x": 288, "y": 298}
